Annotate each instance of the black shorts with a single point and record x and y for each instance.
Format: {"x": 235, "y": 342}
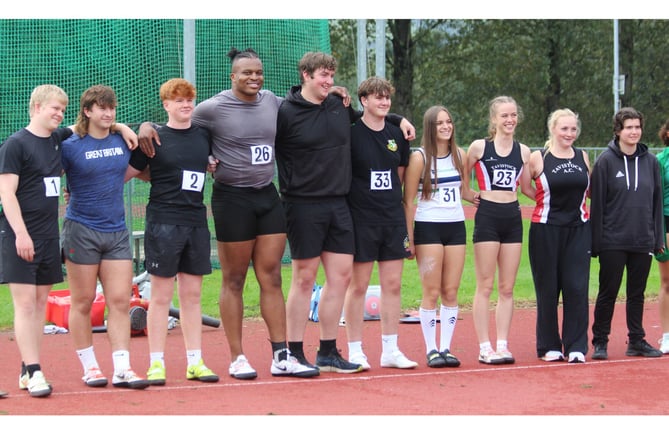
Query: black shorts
{"x": 319, "y": 226}
{"x": 381, "y": 243}
{"x": 444, "y": 233}
{"x": 45, "y": 268}
{"x": 243, "y": 213}
{"x": 83, "y": 245}
{"x": 499, "y": 222}
{"x": 169, "y": 249}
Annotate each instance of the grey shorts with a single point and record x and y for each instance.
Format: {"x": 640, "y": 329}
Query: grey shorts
{"x": 83, "y": 245}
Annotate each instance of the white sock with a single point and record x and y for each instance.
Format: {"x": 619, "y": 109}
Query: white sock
{"x": 428, "y": 324}
{"x": 485, "y": 346}
{"x": 193, "y": 356}
{"x": 448, "y": 317}
{"x": 157, "y": 357}
{"x": 87, "y": 358}
{"x": 501, "y": 345}
{"x": 665, "y": 336}
{"x": 388, "y": 343}
{"x": 354, "y": 347}
{"x": 121, "y": 359}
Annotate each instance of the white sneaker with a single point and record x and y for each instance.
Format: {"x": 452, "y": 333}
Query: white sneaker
{"x": 291, "y": 367}
{"x": 664, "y": 347}
{"x": 128, "y": 379}
{"x": 490, "y": 357}
{"x": 576, "y": 357}
{"x": 38, "y": 386}
{"x": 396, "y": 359}
{"x": 241, "y": 369}
{"x": 360, "y": 359}
{"x": 553, "y": 356}
{"x": 94, "y": 378}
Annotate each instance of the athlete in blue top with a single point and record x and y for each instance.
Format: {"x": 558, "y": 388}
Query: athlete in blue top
{"x": 95, "y": 239}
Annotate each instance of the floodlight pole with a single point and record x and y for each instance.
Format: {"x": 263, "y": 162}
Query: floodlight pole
{"x": 362, "y": 50}
{"x": 616, "y": 69}
{"x": 189, "y": 50}
{"x": 381, "y": 48}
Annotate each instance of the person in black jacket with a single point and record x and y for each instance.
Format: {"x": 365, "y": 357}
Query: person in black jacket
{"x": 313, "y": 155}
{"x": 627, "y": 227}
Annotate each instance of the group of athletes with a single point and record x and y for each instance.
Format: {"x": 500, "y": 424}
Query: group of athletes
{"x": 351, "y": 194}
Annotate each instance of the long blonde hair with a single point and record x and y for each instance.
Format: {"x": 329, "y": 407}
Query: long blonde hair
{"x": 429, "y": 143}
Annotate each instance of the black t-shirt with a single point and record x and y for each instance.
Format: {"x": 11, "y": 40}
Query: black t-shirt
{"x": 376, "y": 190}
{"x": 178, "y": 172}
{"x": 36, "y": 160}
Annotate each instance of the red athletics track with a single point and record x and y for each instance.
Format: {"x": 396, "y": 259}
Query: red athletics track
{"x": 587, "y": 393}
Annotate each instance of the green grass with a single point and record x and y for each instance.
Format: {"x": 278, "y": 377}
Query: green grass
{"x": 411, "y": 288}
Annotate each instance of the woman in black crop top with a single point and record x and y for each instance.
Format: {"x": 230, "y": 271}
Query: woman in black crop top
{"x": 500, "y": 164}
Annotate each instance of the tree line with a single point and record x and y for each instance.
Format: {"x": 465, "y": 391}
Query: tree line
{"x": 544, "y": 64}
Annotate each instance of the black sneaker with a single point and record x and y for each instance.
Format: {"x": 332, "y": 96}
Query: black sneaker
{"x": 451, "y": 360}
{"x": 600, "y": 352}
{"x": 334, "y": 362}
{"x": 435, "y": 359}
{"x": 302, "y": 360}
{"x": 642, "y": 348}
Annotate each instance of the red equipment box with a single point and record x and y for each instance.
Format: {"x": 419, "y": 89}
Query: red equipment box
{"x": 58, "y": 309}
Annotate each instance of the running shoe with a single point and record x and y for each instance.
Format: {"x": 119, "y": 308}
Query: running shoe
{"x": 291, "y": 367}
{"x": 506, "y": 356}
{"x": 241, "y": 369}
{"x": 128, "y": 379}
{"x": 360, "y": 359}
{"x": 201, "y": 372}
{"x": 396, "y": 359}
{"x": 642, "y": 349}
{"x": 576, "y": 357}
{"x": 94, "y": 378}
{"x": 553, "y": 356}
{"x": 24, "y": 379}
{"x": 664, "y": 346}
{"x": 334, "y": 362}
{"x": 435, "y": 359}
{"x": 451, "y": 360}
{"x": 156, "y": 374}
{"x": 38, "y": 386}
{"x": 490, "y": 357}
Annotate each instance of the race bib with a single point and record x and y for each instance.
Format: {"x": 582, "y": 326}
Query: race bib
{"x": 503, "y": 177}
{"x": 52, "y": 186}
{"x": 261, "y": 154}
{"x": 380, "y": 180}
{"x": 192, "y": 181}
{"x": 449, "y": 196}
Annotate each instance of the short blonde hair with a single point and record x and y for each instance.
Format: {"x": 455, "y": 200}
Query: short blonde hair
{"x": 43, "y": 93}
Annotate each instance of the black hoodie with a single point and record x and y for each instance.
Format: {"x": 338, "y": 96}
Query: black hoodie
{"x": 313, "y": 147}
{"x": 626, "y": 201}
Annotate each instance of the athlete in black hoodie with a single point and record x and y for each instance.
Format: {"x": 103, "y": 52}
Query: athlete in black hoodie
{"x": 627, "y": 227}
